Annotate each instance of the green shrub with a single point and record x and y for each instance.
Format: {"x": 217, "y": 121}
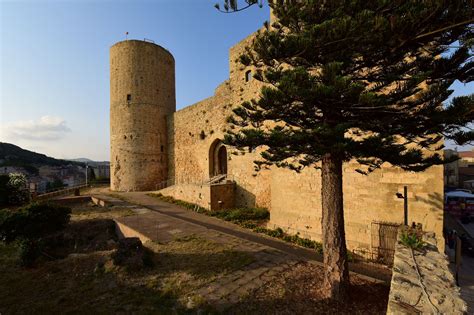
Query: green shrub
{"x": 30, "y": 225}
{"x": 30, "y": 250}
{"x": 242, "y": 214}
{"x": 4, "y": 190}
{"x": 412, "y": 238}
{"x": 13, "y": 189}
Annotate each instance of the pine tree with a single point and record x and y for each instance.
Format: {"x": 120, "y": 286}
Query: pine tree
{"x": 356, "y": 80}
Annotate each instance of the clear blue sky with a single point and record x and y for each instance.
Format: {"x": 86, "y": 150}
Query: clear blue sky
{"x": 55, "y": 63}
{"x": 54, "y": 82}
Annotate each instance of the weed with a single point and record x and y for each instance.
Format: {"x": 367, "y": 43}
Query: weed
{"x": 412, "y": 238}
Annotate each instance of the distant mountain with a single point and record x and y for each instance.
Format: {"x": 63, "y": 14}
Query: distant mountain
{"x": 12, "y": 155}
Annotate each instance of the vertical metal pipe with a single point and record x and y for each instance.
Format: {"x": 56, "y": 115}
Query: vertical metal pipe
{"x": 405, "y": 204}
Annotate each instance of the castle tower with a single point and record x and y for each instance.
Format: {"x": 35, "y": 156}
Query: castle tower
{"x": 142, "y": 94}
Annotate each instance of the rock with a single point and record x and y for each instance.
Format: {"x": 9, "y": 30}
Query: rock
{"x": 129, "y": 253}
{"x": 190, "y": 304}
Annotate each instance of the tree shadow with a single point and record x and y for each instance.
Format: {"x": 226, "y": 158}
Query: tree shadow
{"x": 83, "y": 236}
{"x": 436, "y": 203}
{"x": 244, "y": 197}
{"x": 205, "y": 265}
{"x": 76, "y": 285}
{"x": 302, "y": 293}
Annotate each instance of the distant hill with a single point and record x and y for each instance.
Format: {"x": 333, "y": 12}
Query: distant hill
{"x": 12, "y": 155}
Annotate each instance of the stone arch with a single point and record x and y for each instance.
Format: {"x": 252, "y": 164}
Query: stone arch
{"x": 217, "y": 158}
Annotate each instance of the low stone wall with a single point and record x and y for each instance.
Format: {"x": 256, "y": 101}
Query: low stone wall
{"x": 192, "y": 193}
{"x": 212, "y": 197}
{"x": 422, "y": 283}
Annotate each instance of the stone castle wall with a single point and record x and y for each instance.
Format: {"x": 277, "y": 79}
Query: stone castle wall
{"x": 189, "y": 151}
{"x": 152, "y": 144}
{"x": 294, "y": 199}
{"x": 198, "y": 194}
{"x": 142, "y": 94}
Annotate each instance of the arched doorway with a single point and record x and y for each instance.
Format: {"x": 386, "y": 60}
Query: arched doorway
{"x": 217, "y": 159}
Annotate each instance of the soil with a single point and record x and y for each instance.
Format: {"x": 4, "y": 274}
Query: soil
{"x": 298, "y": 291}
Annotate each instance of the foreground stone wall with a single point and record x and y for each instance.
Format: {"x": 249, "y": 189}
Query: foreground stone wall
{"x": 406, "y": 291}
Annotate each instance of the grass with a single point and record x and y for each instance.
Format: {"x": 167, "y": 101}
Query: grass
{"x": 191, "y": 262}
{"x": 89, "y": 210}
{"x": 87, "y": 279}
{"x": 250, "y": 218}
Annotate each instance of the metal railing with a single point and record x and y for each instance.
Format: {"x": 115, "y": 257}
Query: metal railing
{"x": 215, "y": 180}
{"x": 60, "y": 192}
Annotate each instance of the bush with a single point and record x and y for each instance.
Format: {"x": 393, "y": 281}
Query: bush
{"x": 4, "y": 190}
{"x": 131, "y": 254}
{"x": 412, "y": 238}
{"x": 243, "y": 214}
{"x": 13, "y": 189}
{"x": 29, "y": 251}
{"x": 30, "y": 225}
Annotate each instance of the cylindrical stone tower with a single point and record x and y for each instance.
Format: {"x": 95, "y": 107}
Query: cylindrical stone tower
{"x": 142, "y": 94}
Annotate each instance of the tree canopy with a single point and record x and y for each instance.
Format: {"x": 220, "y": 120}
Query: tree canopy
{"x": 359, "y": 79}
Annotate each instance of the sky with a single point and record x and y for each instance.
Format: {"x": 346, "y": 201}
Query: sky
{"x": 54, "y": 67}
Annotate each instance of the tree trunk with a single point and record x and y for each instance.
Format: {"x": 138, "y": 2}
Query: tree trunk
{"x": 336, "y": 272}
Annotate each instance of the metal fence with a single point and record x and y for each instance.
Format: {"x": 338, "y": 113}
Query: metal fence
{"x": 191, "y": 181}
{"x": 383, "y": 240}
{"x": 60, "y": 192}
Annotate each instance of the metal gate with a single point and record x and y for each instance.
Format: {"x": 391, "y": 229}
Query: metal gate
{"x": 383, "y": 240}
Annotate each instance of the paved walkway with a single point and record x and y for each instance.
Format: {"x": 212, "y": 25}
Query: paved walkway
{"x": 466, "y": 274}
{"x": 162, "y": 222}
{"x": 211, "y": 223}
{"x": 469, "y": 229}
{"x": 466, "y": 282}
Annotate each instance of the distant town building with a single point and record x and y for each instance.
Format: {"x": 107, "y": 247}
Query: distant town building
{"x": 460, "y": 173}
{"x": 101, "y": 170}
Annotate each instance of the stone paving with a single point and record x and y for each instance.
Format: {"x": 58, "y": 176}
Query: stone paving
{"x": 227, "y": 290}
{"x": 162, "y": 222}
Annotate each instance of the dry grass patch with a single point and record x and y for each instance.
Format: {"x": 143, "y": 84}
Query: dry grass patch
{"x": 189, "y": 263}
{"x": 299, "y": 291}
{"x": 89, "y": 210}
{"x": 80, "y": 276}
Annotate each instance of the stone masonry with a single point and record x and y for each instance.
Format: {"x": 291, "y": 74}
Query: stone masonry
{"x": 142, "y": 94}
{"x": 293, "y": 199}
{"x": 422, "y": 283}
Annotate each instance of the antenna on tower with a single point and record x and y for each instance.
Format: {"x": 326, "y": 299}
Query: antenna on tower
{"x": 126, "y": 35}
